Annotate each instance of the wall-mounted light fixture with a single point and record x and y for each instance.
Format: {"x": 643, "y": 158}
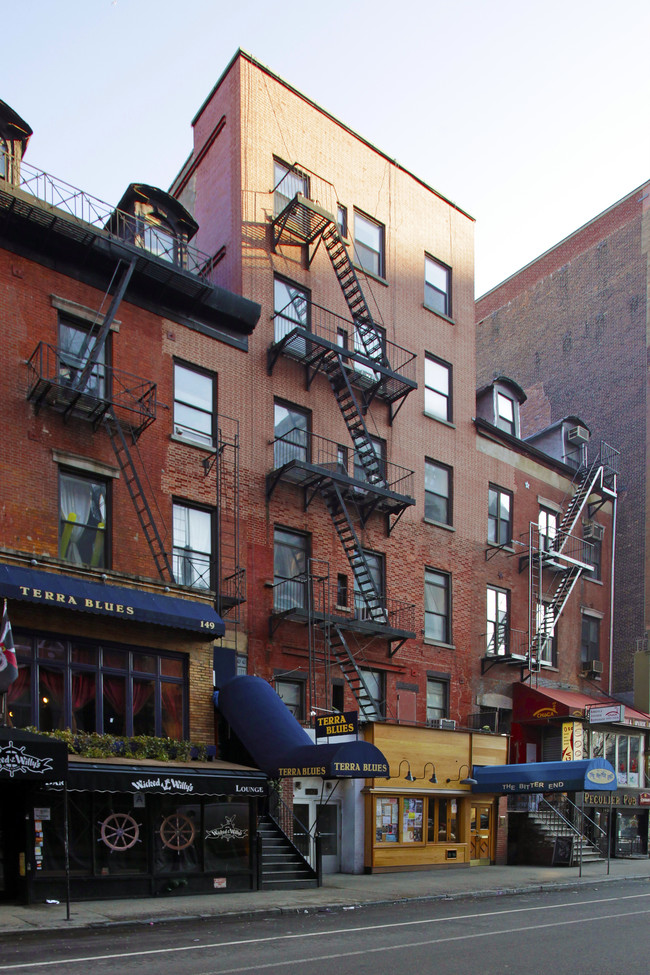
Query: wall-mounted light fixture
{"x": 409, "y": 775}
{"x": 434, "y": 777}
{"x": 466, "y": 781}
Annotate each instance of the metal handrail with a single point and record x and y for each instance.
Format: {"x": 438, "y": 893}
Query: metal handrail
{"x": 299, "y": 444}
{"x": 285, "y": 818}
{"x": 514, "y": 641}
{"x": 290, "y": 595}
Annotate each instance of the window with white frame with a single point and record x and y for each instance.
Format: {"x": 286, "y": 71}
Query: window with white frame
{"x": 369, "y": 244}
{"x": 625, "y": 753}
{"x": 83, "y": 507}
{"x": 194, "y": 405}
{"x": 292, "y": 693}
{"x": 437, "y": 698}
{"x": 499, "y": 515}
{"x": 437, "y": 388}
{"x": 506, "y": 414}
{"x": 437, "y": 286}
{"x": 498, "y": 622}
{"x": 437, "y": 492}
{"x": 437, "y": 606}
{"x": 291, "y": 305}
{"x": 192, "y": 546}
{"x": 547, "y": 643}
{"x": 287, "y": 182}
{"x": 547, "y": 525}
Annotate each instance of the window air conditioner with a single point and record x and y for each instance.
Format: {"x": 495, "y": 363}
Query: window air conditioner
{"x": 579, "y": 435}
{"x": 593, "y": 530}
{"x": 443, "y": 724}
{"x": 595, "y": 666}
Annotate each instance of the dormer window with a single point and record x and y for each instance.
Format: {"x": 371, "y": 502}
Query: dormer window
{"x": 159, "y": 240}
{"x": 506, "y": 414}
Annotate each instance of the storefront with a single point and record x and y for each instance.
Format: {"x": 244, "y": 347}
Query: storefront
{"x": 134, "y": 829}
{"x": 426, "y": 814}
{"x": 625, "y": 815}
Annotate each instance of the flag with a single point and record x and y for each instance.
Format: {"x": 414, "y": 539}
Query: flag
{"x": 8, "y": 665}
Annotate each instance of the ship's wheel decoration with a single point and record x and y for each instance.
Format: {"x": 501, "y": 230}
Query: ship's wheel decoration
{"x": 177, "y": 831}
{"x": 120, "y": 832}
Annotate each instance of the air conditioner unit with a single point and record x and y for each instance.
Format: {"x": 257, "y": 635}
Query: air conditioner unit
{"x": 579, "y": 435}
{"x": 596, "y": 666}
{"x": 593, "y": 530}
{"x": 442, "y": 724}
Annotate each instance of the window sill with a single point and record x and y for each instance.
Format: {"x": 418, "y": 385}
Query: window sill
{"x": 445, "y": 423}
{"x": 439, "y": 314}
{"x": 438, "y": 643}
{"x": 493, "y": 547}
{"x": 439, "y": 524}
{"x": 596, "y": 582}
{"x": 370, "y": 274}
{"x": 191, "y": 443}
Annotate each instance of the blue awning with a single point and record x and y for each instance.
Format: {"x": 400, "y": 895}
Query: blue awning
{"x": 116, "y": 602}
{"x": 280, "y": 746}
{"x": 594, "y": 774}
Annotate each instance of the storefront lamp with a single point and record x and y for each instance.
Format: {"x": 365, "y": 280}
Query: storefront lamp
{"x": 466, "y": 781}
{"x": 409, "y": 775}
{"x": 434, "y": 777}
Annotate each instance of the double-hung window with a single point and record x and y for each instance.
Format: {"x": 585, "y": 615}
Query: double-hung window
{"x": 437, "y": 492}
{"x": 437, "y": 286}
{"x": 194, "y": 405}
{"x": 375, "y": 681}
{"x": 437, "y": 606}
{"x": 83, "y": 506}
{"x": 547, "y": 525}
{"x": 590, "y": 639}
{"x": 290, "y": 554}
{"x": 76, "y": 344}
{"x": 547, "y": 642}
{"x": 437, "y": 698}
{"x": 291, "y": 310}
{"x": 499, "y": 516}
{"x": 287, "y": 183}
{"x": 292, "y": 693}
{"x": 192, "y": 546}
{"x": 437, "y": 388}
{"x": 498, "y": 622}
{"x": 366, "y": 593}
{"x": 369, "y": 244}
{"x": 373, "y": 471}
{"x": 291, "y": 433}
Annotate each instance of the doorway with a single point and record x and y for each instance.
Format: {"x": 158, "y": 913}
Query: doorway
{"x": 481, "y": 833}
{"x": 324, "y": 818}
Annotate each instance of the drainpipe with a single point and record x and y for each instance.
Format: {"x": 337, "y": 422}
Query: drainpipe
{"x": 611, "y": 598}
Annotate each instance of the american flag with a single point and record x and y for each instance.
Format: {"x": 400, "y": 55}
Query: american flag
{"x": 8, "y": 665}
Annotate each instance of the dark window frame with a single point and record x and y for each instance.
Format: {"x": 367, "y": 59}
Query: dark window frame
{"x": 207, "y": 509}
{"x": 277, "y": 192}
{"x": 213, "y": 413}
{"x": 590, "y": 638}
{"x": 299, "y": 683}
{"x": 497, "y": 520}
{"x": 446, "y": 294}
{"x": 95, "y": 480}
{"x": 293, "y": 595}
{"x": 284, "y": 450}
{"x": 501, "y": 639}
{"x": 449, "y": 497}
{"x": 103, "y": 368}
{"x": 446, "y": 616}
{"x": 380, "y": 272}
{"x": 447, "y": 397}
{"x": 443, "y": 681}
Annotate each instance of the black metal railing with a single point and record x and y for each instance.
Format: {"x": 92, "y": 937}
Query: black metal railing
{"x": 296, "y": 596}
{"x": 305, "y": 840}
{"x": 504, "y": 641}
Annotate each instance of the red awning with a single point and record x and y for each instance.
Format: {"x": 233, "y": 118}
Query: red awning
{"x": 537, "y": 705}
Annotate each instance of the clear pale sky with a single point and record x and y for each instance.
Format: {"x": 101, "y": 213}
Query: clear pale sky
{"x": 531, "y": 116}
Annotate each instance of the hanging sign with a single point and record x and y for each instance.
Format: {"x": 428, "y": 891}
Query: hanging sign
{"x": 332, "y": 726}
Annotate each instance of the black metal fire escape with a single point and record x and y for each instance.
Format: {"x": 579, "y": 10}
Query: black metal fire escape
{"x": 300, "y": 223}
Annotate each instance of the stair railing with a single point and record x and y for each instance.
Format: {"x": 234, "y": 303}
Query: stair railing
{"x": 284, "y": 817}
{"x": 578, "y": 832}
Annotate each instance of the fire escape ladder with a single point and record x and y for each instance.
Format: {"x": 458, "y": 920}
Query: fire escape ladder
{"x": 367, "y": 589}
{"x": 353, "y": 675}
{"x": 134, "y": 487}
{"x": 366, "y": 330}
{"x": 231, "y": 574}
{"x": 586, "y": 482}
{"x": 337, "y": 375}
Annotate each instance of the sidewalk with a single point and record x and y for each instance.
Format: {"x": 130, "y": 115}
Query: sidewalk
{"x": 339, "y": 891}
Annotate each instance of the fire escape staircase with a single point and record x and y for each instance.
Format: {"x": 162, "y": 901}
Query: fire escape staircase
{"x": 563, "y": 553}
{"x": 353, "y": 675}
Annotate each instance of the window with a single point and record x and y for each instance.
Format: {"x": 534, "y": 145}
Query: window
{"x": 369, "y": 342}
{"x": 375, "y": 681}
{"x": 624, "y": 752}
{"x": 590, "y": 640}
{"x": 437, "y": 616}
{"x": 292, "y": 693}
{"x": 360, "y": 473}
{"x": 437, "y": 698}
{"x": 4, "y": 159}
{"x": 192, "y": 546}
{"x": 437, "y": 492}
{"x": 88, "y": 687}
{"x": 369, "y": 244}
{"x": 362, "y": 594}
{"x": 437, "y": 388}
{"x": 82, "y": 519}
{"x": 291, "y": 306}
{"x": 160, "y": 241}
{"x": 498, "y": 622}
{"x": 499, "y": 516}
{"x": 506, "y": 417}
{"x": 547, "y": 642}
{"x": 287, "y": 184}
{"x": 437, "y": 286}
{"x": 291, "y": 431}
{"x": 290, "y": 553}
{"x": 547, "y": 525}
{"x": 594, "y": 555}
{"x": 342, "y": 219}
{"x": 75, "y": 346}
{"x": 341, "y": 589}
{"x": 194, "y": 405}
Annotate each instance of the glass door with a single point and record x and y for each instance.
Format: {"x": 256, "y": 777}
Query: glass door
{"x": 480, "y": 833}
{"x": 328, "y": 825}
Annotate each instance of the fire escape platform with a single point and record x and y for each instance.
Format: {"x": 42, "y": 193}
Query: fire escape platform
{"x": 352, "y": 621}
{"x": 301, "y": 222}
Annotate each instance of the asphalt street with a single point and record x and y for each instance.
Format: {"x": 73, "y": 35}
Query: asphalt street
{"x": 599, "y": 929}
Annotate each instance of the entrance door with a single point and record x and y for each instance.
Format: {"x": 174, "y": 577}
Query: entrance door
{"x": 328, "y": 820}
{"x": 12, "y": 841}
{"x": 480, "y": 832}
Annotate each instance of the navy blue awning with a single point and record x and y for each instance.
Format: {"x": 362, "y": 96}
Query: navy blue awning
{"x": 594, "y": 774}
{"x": 116, "y": 602}
{"x": 281, "y": 746}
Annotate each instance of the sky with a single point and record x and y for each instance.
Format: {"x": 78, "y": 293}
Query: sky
{"x": 531, "y": 116}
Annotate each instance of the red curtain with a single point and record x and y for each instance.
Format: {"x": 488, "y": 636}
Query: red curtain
{"x": 172, "y": 710}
